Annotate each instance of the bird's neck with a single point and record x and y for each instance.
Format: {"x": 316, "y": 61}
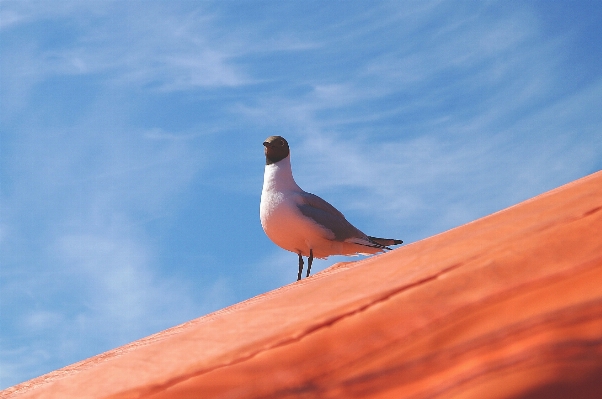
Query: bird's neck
{"x": 279, "y": 176}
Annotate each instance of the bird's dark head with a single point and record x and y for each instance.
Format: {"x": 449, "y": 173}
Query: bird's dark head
{"x": 276, "y": 149}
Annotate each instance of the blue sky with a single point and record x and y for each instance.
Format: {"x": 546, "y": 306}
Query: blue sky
{"x": 132, "y": 158}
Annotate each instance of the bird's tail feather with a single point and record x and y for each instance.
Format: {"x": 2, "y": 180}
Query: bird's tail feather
{"x": 375, "y": 242}
{"x": 385, "y": 242}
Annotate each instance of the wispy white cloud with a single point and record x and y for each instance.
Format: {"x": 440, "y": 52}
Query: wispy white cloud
{"x": 121, "y": 283}
{"x": 153, "y": 47}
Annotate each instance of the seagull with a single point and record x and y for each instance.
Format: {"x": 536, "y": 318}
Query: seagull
{"x": 304, "y": 223}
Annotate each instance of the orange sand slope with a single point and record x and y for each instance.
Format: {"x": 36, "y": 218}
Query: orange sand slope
{"x": 508, "y": 306}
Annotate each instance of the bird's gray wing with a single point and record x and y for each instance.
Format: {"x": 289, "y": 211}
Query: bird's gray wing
{"x": 328, "y": 217}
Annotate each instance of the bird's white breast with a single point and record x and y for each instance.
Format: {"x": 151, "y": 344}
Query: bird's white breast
{"x": 280, "y": 217}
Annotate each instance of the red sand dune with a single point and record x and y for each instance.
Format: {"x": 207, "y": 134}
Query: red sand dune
{"x": 508, "y": 306}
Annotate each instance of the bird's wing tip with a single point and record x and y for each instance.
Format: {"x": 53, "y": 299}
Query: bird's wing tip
{"x": 384, "y": 242}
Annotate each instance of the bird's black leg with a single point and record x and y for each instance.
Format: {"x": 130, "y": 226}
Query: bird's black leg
{"x": 309, "y": 261}
{"x": 300, "y": 266}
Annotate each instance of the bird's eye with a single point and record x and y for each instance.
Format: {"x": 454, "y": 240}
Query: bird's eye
{"x": 280, "y": 143}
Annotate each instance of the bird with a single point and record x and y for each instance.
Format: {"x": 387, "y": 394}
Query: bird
{"x": 302, "y": 222}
